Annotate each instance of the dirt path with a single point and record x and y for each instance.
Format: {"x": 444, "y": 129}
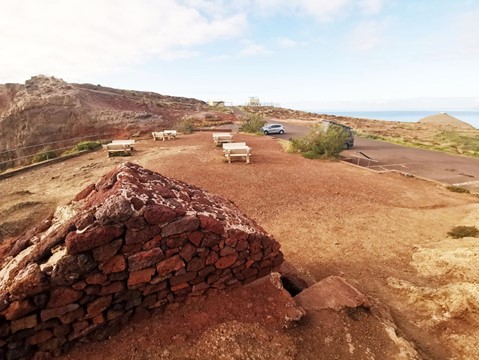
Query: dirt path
{"x": 379, "y": 231}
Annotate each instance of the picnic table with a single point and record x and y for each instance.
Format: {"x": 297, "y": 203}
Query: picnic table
{"x": 120, "y": 146}
{"x": 129, "y": 143}
{"x": 220, "y": 138}
{"x": 164, "y": 135}
{"x": 228, "y": 146}
{"x": 241, "y": 150}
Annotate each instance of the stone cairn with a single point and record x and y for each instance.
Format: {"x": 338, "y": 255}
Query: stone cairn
{"x": 127, "y": 245}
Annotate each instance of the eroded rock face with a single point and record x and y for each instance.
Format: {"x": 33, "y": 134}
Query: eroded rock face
{"x": 47, "y": 109}
{"x": 131, "y": 243}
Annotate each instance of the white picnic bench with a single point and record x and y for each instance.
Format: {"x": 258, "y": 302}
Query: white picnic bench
{"x": 130, "y": 143}
{"x": 220, "y": 138}
{"x": 233, "y": 145}
{"x": 164, "y": 135}
{"x": 237, "y": 150}
{"x": 118, "y": 147}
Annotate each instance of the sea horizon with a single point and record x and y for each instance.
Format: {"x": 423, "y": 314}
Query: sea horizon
{"x": 469, "y": 116}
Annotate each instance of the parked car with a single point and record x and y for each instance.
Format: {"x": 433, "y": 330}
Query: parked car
{"x": 273, "y": 129}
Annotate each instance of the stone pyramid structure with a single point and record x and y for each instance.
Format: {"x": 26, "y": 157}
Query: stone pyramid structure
{"x": 133, "y": 242}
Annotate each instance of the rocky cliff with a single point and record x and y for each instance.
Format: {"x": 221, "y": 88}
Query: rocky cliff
{"x": 48, "y": 110}
{"x": 132, "y": 242}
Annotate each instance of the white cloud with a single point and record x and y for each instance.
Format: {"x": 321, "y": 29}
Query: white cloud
{"x": 372, "y": 7}
{"x": 368, "y": 35}
{"x": 221, "y": 57}
{"x": 285, "y": 42}
{"x": 251, "y": 49}
{"x": 74, "y": 38}
{"x": 321, "y": 10}
{"x": 464, "y": 31}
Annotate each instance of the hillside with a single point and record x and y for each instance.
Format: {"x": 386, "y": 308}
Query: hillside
{"x": 445, "y": 120}
{"x": 47, "y": 109}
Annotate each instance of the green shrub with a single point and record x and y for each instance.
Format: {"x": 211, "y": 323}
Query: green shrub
{"x": 88, "y": 145}
{"x": 252, "y": 124}
{"x": 46, "y": 154}
{"x": 457, "y": 189}
{"x": 186, "y": 125}
{"x": 82, "y": 146}
{"x": 459, "y": 232}
{"x": 321, "y": 144}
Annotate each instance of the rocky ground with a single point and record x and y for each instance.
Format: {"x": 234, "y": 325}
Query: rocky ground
{"x": 386, "y": 234}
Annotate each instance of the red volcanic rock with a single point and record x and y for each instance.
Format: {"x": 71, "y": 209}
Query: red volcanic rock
{"x": 335, "y": 293}
{"x": 169, "y": 265}
{"x": 226, "y": 261}
{"x": 133, "y": 242}
{"x": 90, "y": 239}
{"x": 211, "y": 224}
{"x": 144, "y": 259}
{"x": 116, "y": 264}
{"x": 18, "y": 309}
{"x": 63, "y": 296}
{"x": 157, "y": 214}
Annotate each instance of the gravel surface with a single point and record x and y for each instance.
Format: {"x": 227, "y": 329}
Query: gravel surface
{"x": 331, "y": 219}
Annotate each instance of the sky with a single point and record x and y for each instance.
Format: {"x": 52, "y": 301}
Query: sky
{"x": 302, "y": 54}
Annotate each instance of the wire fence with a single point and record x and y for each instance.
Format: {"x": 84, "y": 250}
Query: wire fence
{"x": 27, "y": 155}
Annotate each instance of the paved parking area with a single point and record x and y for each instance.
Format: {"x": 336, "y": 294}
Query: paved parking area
{"x": 445, "y": 168}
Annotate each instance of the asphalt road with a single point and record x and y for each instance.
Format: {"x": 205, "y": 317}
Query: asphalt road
{"x": 445, "y": 168}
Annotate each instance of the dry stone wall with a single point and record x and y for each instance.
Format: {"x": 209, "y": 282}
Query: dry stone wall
{"x": 127, "y": 245}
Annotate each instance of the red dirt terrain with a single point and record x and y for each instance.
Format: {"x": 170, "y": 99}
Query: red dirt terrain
{"x": 386, "y": 234}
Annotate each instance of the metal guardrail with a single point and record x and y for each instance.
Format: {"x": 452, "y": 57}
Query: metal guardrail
{"x": 364, "y": 157}
{"x": 16, "y": 156}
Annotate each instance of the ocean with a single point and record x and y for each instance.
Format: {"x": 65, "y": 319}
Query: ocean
{"x": 471, "y": 117}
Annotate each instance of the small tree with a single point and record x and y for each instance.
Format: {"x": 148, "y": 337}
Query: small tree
{"x": 186, "y": 125}
{"x": 46, "y": 154}
{"x": 252, "y": 124}
{"x": 320, "y": 143}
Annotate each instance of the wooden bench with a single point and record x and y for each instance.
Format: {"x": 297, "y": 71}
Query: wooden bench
{"x": 238, "y": 151}
{"x": 164, "y": 135}
{"x": 220, "y": 138}
{"x": 118, "y": 148}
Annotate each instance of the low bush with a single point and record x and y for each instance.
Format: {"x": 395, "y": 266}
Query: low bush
{"x": 459, "y": 232}
{"x": 46, "y": 154}
{"x": 321, "y": 144}
{"x": 252, "y": 124}
{"x": 457, "y": 189}
{"x": 82, "y": 146}
{"x": 186, "y": 125}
